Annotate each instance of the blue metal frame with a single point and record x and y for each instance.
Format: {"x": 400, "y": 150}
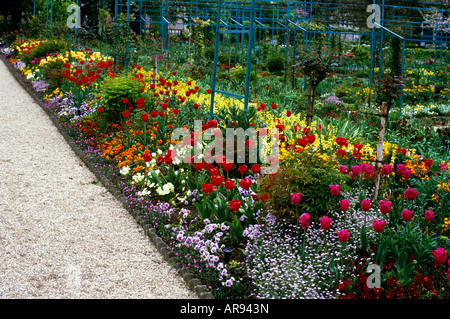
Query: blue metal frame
{"x": 280, "y": 17}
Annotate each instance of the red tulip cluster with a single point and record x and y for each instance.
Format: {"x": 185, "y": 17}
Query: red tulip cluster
{"x": 85, "y": 74}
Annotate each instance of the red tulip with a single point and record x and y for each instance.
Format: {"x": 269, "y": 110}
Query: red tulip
{"x": 214, "y": 171}
{"x": 209, "y": 91}
{"x": 100, "y": 110}
{"x": 303, "y": 142}
{"x": 242, "y": 169}
{"x": 196, "y": 106}
{"x": 198, "y": 167}
{"x": 147, "y": 157}
{"x": 358, "y": 146}
{"x": 342, "y": 141}
{"x": 227, "y": 166}
{"x": 144, "y": 117}
{"x": 216, "y": 180}
{"x": 126, "y": 114}
{"x": 245, "y": 183}
{"x": 220, "y": 159}
{"x": 255, "y": 169}
{"x": 229, "y": 184}
{"x": 310, "y": 138}
{"x": 341, "y": 152}
{"x": 212, "y": 123}
{"x": 207, "y": 188}
{"x": 235, "y": 205}
{"x": 264, "y": 197}
{"x": 428, "y": 162}
{"x": 124, "y": 101}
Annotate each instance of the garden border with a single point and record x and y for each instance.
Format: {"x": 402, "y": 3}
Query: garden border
{"x": 194, "y": 284}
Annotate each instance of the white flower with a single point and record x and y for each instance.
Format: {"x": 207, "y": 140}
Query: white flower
{"x": 125, "y": 170}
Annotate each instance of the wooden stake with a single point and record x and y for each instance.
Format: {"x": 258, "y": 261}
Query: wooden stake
{"x": 379, "y": 158}
{"x": 155, "y": 70}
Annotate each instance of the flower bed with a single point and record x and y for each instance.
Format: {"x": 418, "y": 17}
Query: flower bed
{"x": 310, "y": 229}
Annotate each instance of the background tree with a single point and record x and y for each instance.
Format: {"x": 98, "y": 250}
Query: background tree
{"x": 316, "y": 66}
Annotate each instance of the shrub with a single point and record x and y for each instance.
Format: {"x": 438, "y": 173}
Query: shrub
{"x": 311, "y": 176}
{"x": 116, "y": 89}
{"x": 51, "y": 72}
{"x": 360, "y": 53}
{"x": 275, "y": 64}
{"x": 47, "y": 47}
{"x": 239, "y": 73}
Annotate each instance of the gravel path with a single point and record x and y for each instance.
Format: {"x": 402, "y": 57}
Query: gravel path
{"x": 62, "y": 234}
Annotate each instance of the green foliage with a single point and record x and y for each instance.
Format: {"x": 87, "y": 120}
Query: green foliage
{"x": 398, "y": 243}
{"x": 116, "y": 89}
{"x": 360, "y": 53}
{"x": 235, "y": 116}
{"x": 239, "y": 73}
{"x": 309, "y": 175}
{"x": 51, "y": 72}
{"x": 395, "y": 57}
{"x": 275, "y": 63}
{"x": 236, "y": 230}
{"x": 49, "y": 46}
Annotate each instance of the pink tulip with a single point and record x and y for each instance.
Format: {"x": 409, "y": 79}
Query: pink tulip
{"x": 407, "y": 215}
{"x": 304, "y": 220}
{"x": 410, "y": 194}
{"x": 335, "y": 190}
{"x": 344, "y": 204}
{"x": 400, "y": 168}
{"x": 378, "y": 225}
{"x": 343, "y": 235}
{"x": 387, "y": 169}
{"x": 365, "y": 204}
{"x": 296, "y": 197}
{"x": 355, "y": 170}
{"x": 440, "y": 256}
{"x": 406, "y": 173}
{"x": 385, "y": 206}
{"x": 325, "y": 222}
{"x": 429, "y": 215}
